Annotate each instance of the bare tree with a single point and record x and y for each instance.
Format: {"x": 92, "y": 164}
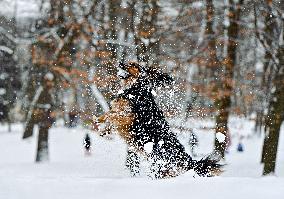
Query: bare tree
{"x": 223, "y": 104}
{"x": 272, "y": 41}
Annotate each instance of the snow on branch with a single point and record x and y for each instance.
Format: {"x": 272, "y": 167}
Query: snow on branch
{"x": 63, "y": 41}
{"x": 96, "y": 92}
{"x": 117, "y": 42}
{"x": 16, "y": 40}
{"x": 6, "y": 49}
{"x": 100, "y": 98}
{"x": 8, "y": 35}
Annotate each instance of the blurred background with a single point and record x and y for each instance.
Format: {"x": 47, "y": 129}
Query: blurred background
{"x": 58, "y": 63}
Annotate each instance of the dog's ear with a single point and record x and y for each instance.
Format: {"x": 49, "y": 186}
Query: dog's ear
{"x": 135, "y": 65}
{"x": 132, "y": 68}
{"x": 134, "y": 71}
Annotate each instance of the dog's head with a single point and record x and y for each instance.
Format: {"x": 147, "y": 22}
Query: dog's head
{"x": 129, "y": 73}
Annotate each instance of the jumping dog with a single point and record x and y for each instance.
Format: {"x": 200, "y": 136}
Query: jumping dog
{"x": 139, "y": 121}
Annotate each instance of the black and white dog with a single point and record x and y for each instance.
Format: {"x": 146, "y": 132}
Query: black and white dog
{"x": 137, "y": 118}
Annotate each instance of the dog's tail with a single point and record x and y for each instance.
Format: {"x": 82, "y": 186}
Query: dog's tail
{"x": 207, "y": 167}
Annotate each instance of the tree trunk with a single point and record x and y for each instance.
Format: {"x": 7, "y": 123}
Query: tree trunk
{"x": 113, "y": 12}
{"x": 258, "y": 122}
{"x": 45, "y": 122}
{"x": 212, "y": 65}
{"x": 264, "y": 147}
{"x": 146, "y": 30}
{"x": 269, "y": 158}
{"x": 42, "y": 144}
{"x": 9, "y": 125}
{"x": 274, "y": 119}
{"x": 223, "y": 104}
{"x": 30, "y": 117}
{"x": 43, "y": 119}
{"x": 29, "y": 129}
{"x": 222, "y": 124}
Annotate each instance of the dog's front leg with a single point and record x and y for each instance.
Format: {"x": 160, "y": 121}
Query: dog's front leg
{"x": 119, "y": 118}
{"x": 102, "y": 118}
{"x": 104, "y": 125}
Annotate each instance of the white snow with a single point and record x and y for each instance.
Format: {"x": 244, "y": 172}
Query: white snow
{"x": 99, "y": 97}
{"x": 148, "y": 147}
{"x": 197, "y": 4}
{"x": 49, "y": 76}
{"x": 220, "y": 137}
{"x": 259, "y": 66}
{"x": 2, "y": 91}
{"x": 161, "y": 142}
{"x": 6, "y": 49}
{"x": 72, "y": 175}
{"x": 154, "y": 93}
{"x": 130, "y": 96}
{"x": 120, "y": 91}
{"x": 121, "y": 72}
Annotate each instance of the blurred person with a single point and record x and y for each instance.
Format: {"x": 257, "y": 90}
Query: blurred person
{"x": 240, "y": 147}
{"x": 87, "y": 144}
{"x": 193, "y": 143}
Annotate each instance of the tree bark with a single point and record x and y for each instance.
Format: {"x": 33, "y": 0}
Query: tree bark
{"x": 29, "y": 129}
{"x": 44, "y": 123}
{"x": 264, "y": 147}
{"x": 147, "y": 27}
{"x": 42, "y": 144}
{"x": 223, "y": 104}
{"x": 274, "y": 119}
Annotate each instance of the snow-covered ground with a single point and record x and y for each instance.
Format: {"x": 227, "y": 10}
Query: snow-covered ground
{"x": 70, "y": 174}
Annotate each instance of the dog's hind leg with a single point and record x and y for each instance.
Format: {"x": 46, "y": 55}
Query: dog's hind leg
{"x": 133, "y": 162}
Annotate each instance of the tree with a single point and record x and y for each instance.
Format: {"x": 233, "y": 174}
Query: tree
{"x": 9, "y": 71}
{"x": 223, "y": 103}
{"x": 53, "y": 47}
{"x": 272, "y": 42}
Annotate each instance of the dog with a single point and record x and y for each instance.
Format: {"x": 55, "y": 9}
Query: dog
{"x": 139, "y": 121}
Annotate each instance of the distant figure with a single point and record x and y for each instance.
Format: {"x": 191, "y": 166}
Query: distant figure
{"x": 189, "y": 107}
{"x": 193, "y": 143}
{"x": 87, "y": 144}
{"x": 189, "y": 110}
{"x": 240, "y": 147}
{"x": 73, "y": 118}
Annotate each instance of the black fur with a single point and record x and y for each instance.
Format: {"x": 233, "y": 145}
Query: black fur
{"x": 150, "y": 125}
{"x": 158, "y": 78}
